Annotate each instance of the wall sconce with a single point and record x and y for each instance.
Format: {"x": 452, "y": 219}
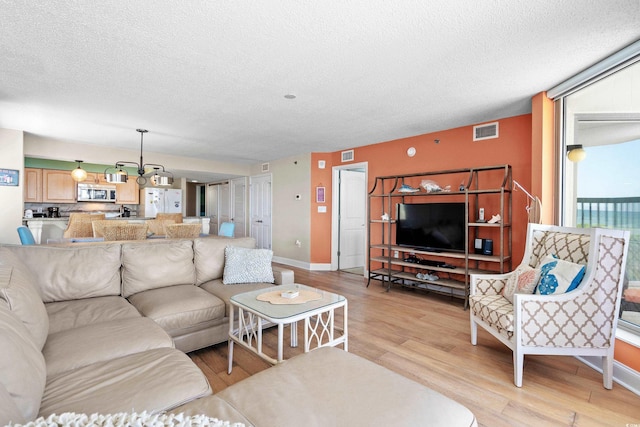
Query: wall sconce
{"x": 576, "y": 153}
{"x": 79, "y": 174}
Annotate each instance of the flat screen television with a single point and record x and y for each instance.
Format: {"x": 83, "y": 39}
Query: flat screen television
{"x": 431, "y": 226}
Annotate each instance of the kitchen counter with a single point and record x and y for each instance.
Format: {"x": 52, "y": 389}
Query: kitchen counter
{"x": 44, "y": 229}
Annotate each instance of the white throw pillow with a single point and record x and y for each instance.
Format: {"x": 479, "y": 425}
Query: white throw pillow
{"x": 558, "y": 276}
{"x": 523, "y": 280}
{"x": 142, "y": 419}
{"x": 242, "y": 265}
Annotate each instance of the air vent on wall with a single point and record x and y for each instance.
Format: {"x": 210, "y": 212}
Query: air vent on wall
{"x": 347, "y": 156}
{"x": 265, "y": 167}
{"x": 486, "y": 131}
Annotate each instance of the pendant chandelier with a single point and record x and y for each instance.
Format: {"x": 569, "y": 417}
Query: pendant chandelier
{"x": 158, "y": 177}
{"x": 79, "y": 174}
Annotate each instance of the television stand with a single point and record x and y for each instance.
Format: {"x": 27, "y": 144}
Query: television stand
{"x": 442, "y": 272}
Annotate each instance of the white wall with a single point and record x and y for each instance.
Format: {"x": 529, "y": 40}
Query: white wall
{"x": 291, "y": 218}
{"x": 11, "y": 198}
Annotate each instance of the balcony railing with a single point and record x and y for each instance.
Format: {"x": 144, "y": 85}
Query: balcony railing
{"x": 620, "y": 213}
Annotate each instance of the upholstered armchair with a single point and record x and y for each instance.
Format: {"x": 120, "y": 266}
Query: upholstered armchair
{"x": 580, "y": 322}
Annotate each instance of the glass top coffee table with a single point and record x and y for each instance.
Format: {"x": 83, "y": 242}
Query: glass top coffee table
{"x": 316, "y": 307}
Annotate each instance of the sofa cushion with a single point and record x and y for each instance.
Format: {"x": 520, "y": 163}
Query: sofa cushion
{"x": 154, "y": 380}
{"x": 73, "y": 272}
{"x": 176, "y": 308}
{"x": 65, "y": 315}
{"x": 22, "y": 367}
{"x": 24, "y": 301}
{"x": 209, "y": 255}
{"x": 150, "y": 266}
{"x": 302, "y": 391}
{"x": 102, "y": 342}
{"x": 242, "y": 265}
{"x": 559, "y": 276}
{"x": 9, "y": 412}
{"x": 495, "y": 310}
{"x": 225, "y": 292}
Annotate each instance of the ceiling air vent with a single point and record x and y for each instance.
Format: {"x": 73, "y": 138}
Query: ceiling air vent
{"x": 347, "y": 156}
{"x": 265, "y": 167}
{"x": 487, "y": 131}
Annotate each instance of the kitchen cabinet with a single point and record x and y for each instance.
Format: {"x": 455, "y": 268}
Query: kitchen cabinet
{"x": 128, "y": 193}
{"x": 32, "y": 185}
{"x": 58, "y": 186}
{"x": 96, "y": 178}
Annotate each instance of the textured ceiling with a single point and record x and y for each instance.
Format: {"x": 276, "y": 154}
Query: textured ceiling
{"x": 208, "y": 78}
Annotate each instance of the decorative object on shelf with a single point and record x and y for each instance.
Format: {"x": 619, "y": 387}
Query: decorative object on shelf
{"x": 404, "y": 188}
{"x": 385, "y": 217}
{"x": 158, "y": 177}
{"x": 576, "y": 153}
{"x": 495, "y": 219}
{"x": 79, "y": 174}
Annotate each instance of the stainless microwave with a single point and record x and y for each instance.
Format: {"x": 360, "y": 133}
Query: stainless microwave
{"x": 96, "y": 193}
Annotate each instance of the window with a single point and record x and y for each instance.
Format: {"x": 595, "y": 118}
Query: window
{"x": 603, "y": 190}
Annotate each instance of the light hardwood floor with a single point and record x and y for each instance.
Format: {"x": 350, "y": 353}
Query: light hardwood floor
{"x": 425, "y": 337}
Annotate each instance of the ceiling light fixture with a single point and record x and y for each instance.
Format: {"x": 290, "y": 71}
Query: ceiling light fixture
{"x": 79, "y": 174}
{"x": 290, "y": 96}
{"x": 159, "y": 176}
{"x": 576, "y": 153}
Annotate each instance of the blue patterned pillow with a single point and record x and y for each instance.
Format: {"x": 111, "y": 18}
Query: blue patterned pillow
{"x": 558, "y": 276}
{"x": 242, "y": 265}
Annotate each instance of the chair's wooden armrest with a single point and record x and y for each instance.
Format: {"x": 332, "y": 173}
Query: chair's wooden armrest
{"x": 487, "y": 284}
{"x": 282, "y": 276}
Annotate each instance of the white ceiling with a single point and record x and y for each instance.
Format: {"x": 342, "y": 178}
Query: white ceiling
{"x": 208, "y": 78}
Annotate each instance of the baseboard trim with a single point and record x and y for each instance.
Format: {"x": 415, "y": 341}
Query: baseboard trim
{"x": 623, "y": 375}
{"x": 320, "y": 267}
{"x": 291, "y": 262}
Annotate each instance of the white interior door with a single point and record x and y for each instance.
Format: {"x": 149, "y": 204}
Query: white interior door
{"x": 212, "y": 208}
{"x": 239, "y": 203}
{"x": 224, "y": 205}
{"x": 353, "y": 195}
{"x": 260, "y": 207}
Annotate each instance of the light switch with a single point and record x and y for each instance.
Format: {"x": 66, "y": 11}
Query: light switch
{"x": 322, "y": 209}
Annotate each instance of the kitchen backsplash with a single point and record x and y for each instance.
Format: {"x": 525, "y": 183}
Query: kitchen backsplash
{"x": 66, "y": 208}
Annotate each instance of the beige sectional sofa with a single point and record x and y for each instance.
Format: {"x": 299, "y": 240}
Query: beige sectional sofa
{"x": 103, "y": 328}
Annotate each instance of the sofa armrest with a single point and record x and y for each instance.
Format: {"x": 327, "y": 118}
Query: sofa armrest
{"x": 282, "y": 276}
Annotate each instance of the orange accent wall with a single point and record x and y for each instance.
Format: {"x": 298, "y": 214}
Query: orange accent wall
{"x": 455, "y": 149}
{"x": 627, "y": 354}
{"x": 320, "y": 250}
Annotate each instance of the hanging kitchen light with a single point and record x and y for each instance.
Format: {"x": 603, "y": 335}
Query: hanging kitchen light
{"x": 121, "y": 176}
{"x": 79, "y": 174}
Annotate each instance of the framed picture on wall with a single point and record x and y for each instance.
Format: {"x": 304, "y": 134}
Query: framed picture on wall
{"x": 319, "y": 194}
{"x": 9, "y": 177}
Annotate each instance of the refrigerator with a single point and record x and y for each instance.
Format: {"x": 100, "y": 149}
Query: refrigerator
{"x": 156, "y": 200}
